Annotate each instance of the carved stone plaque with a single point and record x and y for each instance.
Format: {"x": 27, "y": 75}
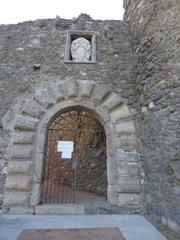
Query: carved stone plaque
{"x": 81, "y": 50}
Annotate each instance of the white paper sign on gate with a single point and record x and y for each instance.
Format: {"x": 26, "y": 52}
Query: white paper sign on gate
{"x": 66, "y": 147}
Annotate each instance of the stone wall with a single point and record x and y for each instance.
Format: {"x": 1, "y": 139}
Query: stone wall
{"x": 154, "y": 26}
{"x": 4, "y": 157}
{"x": 36, "y": 49}
{"x": 34, "y": 52}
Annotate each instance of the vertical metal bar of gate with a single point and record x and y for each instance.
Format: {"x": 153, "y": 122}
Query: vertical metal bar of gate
{"x": 57, "y": 191}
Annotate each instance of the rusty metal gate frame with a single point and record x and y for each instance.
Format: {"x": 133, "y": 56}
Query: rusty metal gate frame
{"x": 61, "y": 197}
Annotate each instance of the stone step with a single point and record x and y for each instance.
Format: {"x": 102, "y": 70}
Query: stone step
{"x": 59, "y": 209}
{"x": 106, "y": 208}
{"x": 85, "y": 208}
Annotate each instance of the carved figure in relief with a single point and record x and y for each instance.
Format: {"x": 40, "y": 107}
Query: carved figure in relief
{"x": 81, "y": 50}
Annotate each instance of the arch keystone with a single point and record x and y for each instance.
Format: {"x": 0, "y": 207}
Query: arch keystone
{"x": 86, "y": 88}
{"x": 71, "y": 88}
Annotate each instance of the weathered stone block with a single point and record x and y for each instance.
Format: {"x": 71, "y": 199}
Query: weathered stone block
{"x": 32, "y": 108}
{"x": 127, "y": 156}
{"x": 36, "y": 194}
{"x": 38, "y": 167}
{"x": 25, "y": 123}
{"x": 22, "y": 152}
{"x": 127, "y": 199}
{"x": 23, "y": 137}
{"x": 43, "y": 96}
{"x": 120, "y": 113}
{"x": 104, "y": 116}
{"x": 128, "y": 141}
{"x": 109, "y": 129}
{"x": 111, "y": 170}
{"x": 18, "y": 182}
{"x": 128, "y": 184}
{"x": 100, "y": 92}
{"x": 57, "y": 91}
{"x": 20, "y": 167}
{"x": 111, "y": 143}
{"x": 40, "y": 142}
{"x": 21, "y": 210}
{"x": 16, "y": 199}
{"x": 112, "y": 101}
{"x": 71, "y": 89}
{"x": 112, "y": 194}
{"x": 61, "y": 209}
{"x": 125, "y": 127}
{"x": 127, "y": 168}
{"x": 86, "y": 88}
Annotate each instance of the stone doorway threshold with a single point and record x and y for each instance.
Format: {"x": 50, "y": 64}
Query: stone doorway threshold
{"x": 60, "y": 209}
{"x": 84, "y": 201}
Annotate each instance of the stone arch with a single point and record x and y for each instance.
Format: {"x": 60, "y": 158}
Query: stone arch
{"x": 28, "y": 123}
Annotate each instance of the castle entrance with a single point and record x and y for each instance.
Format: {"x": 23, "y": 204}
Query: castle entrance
{"x": 78, "y": 174}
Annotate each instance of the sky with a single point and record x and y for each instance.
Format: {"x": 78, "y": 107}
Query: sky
{"x": 14, "y": 11}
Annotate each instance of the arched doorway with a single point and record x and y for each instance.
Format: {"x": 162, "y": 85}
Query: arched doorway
{"x": 81, "y": 176}
{"x": 28, "y": 121}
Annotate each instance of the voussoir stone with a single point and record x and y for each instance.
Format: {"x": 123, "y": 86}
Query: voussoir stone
{"x": 112, "y": 101}
{"x": 43, "y": 97}
{"x": 32, "y": 108}
{"x": 58, "y": 91}
{"x": 100, "y": 92}
{"x": 122, "y": 112}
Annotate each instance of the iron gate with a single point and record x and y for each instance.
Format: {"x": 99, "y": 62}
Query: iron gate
{"x": 59, "y": 181}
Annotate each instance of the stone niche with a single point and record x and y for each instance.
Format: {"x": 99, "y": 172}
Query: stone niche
{"x": 80, "y": 47}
